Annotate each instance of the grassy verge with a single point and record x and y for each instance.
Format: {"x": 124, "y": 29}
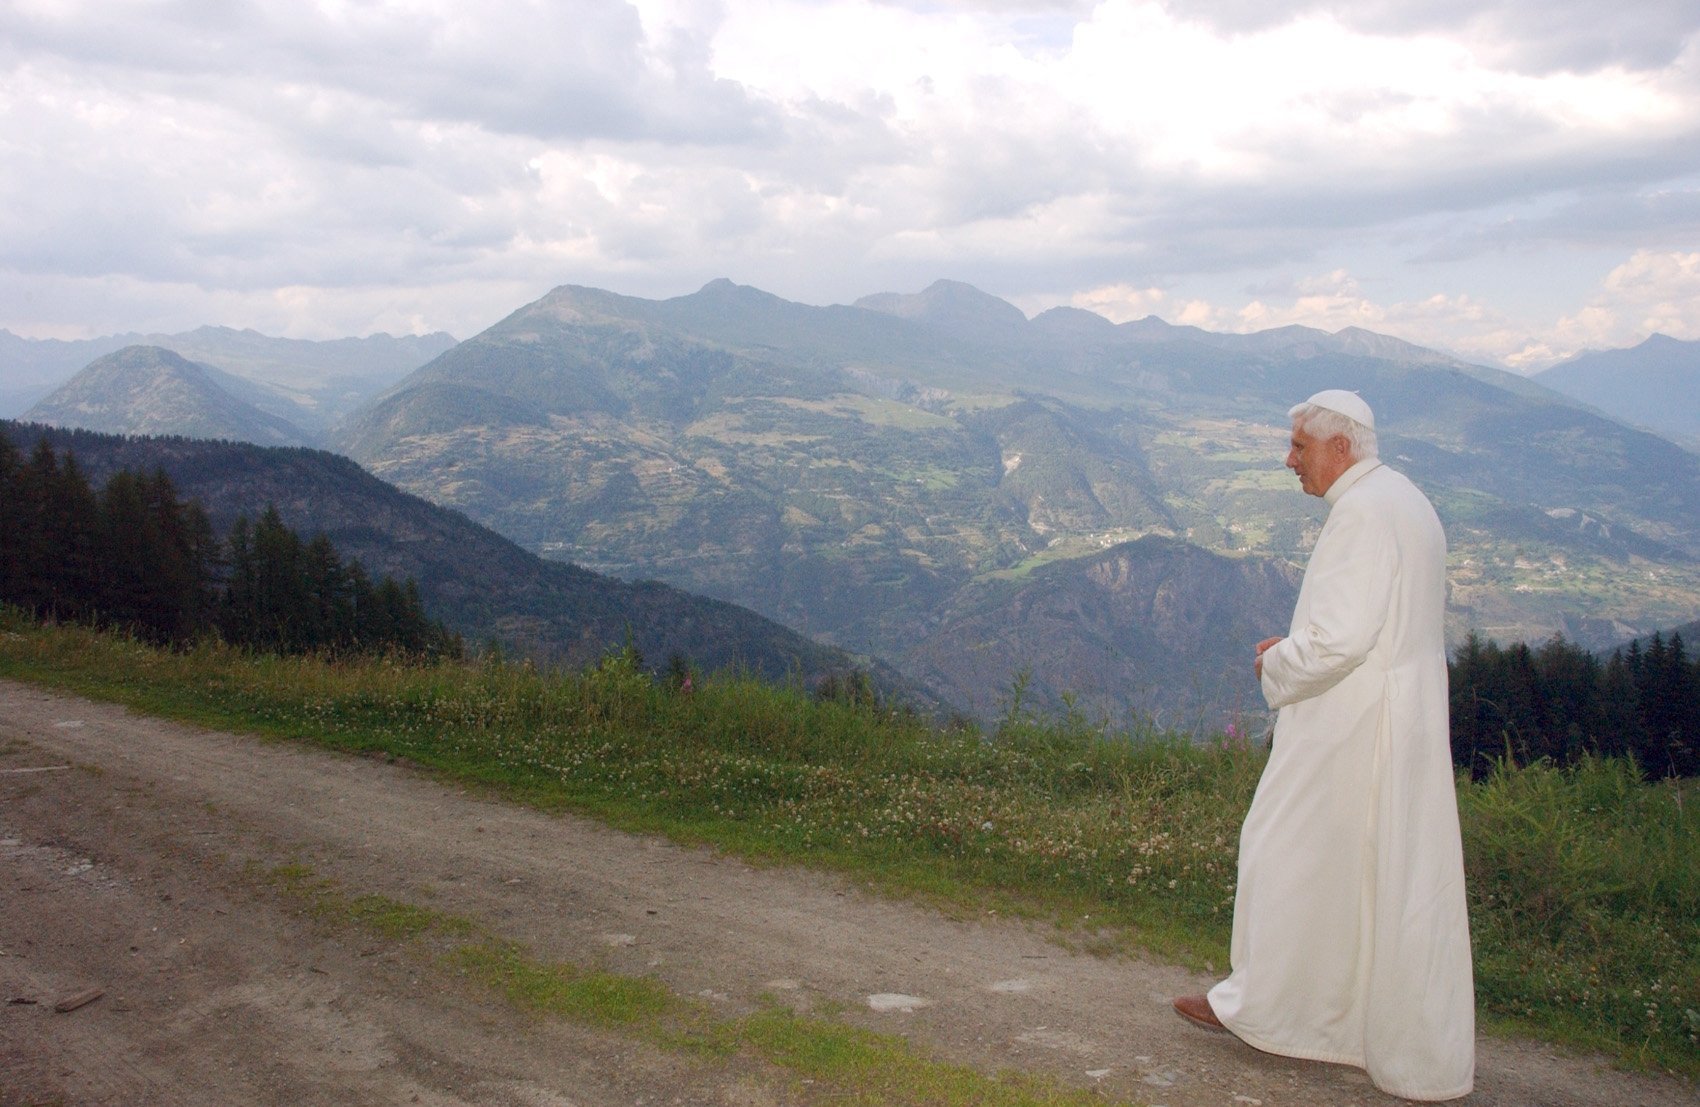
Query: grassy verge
{"x": 812, "y": 1059}
{"x": 1585, "y": 892}
{"x": 1585, "y": 909}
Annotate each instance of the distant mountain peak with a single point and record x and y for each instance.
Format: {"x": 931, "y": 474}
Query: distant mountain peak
{"x": 1651, "y": 385}
{"x": 946, "y": 287}
{"x": 307, "y": 383}
{"x": 582, "y": 304}
{"x": 725, "y": 289}
{"x": 153, "y": 390}
{"x": 134, "y": 361}
{"x": 1155, "y": 327}
{"x": 1357, "y": 340}
{"x": 1074, "y": 321}
{"x": 953, "y": 307}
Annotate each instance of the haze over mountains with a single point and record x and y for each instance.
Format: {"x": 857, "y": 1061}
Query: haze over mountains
{"x": 1097, "y": 512}
{"x": 1654, "y": 385}
{"x": 151, "y": 390}
{"x": 310, "y": 385}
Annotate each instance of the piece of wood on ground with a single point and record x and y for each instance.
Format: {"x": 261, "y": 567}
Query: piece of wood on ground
{"x": 78, "y": 999}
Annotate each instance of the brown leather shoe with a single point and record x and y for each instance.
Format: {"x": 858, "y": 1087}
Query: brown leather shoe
{"x": 1197, "y": 1010}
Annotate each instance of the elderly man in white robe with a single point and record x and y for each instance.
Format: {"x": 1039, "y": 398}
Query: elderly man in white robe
{"x": 1351, "y": 938}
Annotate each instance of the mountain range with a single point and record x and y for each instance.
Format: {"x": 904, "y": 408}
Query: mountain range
{"x": 870, "y": 474}
{"x": 1060, "y": 508}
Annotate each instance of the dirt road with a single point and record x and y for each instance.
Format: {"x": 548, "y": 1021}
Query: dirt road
{"x": 129, "y": 849}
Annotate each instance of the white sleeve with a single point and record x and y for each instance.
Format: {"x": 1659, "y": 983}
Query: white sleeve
{"x": 1349, "y": 588}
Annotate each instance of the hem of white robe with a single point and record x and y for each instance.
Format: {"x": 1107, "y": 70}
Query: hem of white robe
{"x": 1355, "y": 1062}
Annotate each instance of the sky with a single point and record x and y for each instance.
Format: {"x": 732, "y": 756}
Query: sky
{"x": 1512, "y": 181}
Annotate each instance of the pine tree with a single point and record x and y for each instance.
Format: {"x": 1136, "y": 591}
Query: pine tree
{"x": 369, "y": 629}
{"x": 13, "y": 521}
{"x": 136, "y": 557}
{"x": 130, "y": 550}
{"x": 1681, "y": 740}
{"x": 266, "y": 604}
{"x": 1522, "y": 705}
{"x": 1658, "y": 710}
{"x": 1569, "y": 697}
{"x": 330, "y": 596}
{"x": 285, "y": 596}
{"x": 1472, "y": 708}
{"x": 283, "y": 608}
{"x": 236, "y": 609}
{"x": 1621, "y": 731}
{"x": 191, "y": 559}
{"x": 58, "y": 571}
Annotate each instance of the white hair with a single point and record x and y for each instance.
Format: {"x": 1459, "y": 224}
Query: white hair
{"x": 1325, "y": 423}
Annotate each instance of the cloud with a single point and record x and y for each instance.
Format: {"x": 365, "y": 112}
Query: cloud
{"x": 1600, "y": 213}
{"x": 1652, "y": 292}
{"x": 552, "y": 70}
{"x": 1122, "y": 303}
{"x": 1555, "y": 35}
{"x": 1075, "y": 152}
{"x": 1328, "y": 301}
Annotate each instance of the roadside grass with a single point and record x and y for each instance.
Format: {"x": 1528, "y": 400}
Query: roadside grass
{"x": 1584, "y": 884}
{"x": 832, "y": 1061}
{"x": 1585, "y": 890}
{"x": 876, "y": 1069}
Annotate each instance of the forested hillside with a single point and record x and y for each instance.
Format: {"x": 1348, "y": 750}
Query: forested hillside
{"x": 133, "y": 556}
{"x": 1559, "y": 703}
{"x": 481, "y": 585}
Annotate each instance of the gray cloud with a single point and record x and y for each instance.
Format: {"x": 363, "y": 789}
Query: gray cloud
{"x": 1544, "y": 37}
{"x": 564, "y": 69}
{"x": 1595, "y": 219}
{"x": 264, "y": 152}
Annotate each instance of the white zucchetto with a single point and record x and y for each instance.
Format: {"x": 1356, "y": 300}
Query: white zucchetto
{"x": 1349, "y": 404}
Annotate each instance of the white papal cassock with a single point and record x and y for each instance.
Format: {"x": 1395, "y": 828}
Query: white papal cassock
{"x": 1351, "y": 936}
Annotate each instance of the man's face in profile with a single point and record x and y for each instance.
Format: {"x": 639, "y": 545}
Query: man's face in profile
{"x": 1318, "y": 461}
